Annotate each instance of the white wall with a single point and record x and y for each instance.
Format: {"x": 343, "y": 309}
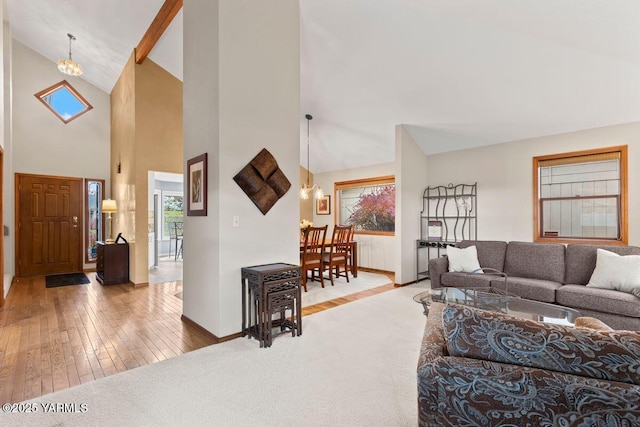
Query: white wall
{"x": 411, "y": 180}
{"x": 241, "y": 94}
{"x": 41, "y": 142}
{"x": 505, "y": 177}
{"x": 373, "y": 251}
{"x": 201, "y": 298}
{"x": 8, "y": 186}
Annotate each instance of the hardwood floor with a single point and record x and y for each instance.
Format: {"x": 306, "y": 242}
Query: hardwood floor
{"x": 52, "y": 339}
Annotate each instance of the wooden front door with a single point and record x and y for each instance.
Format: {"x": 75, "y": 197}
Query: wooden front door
{"x": 48, "y": 220}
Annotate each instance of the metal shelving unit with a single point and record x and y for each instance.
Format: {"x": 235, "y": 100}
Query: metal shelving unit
{"x": 449, "y": 215}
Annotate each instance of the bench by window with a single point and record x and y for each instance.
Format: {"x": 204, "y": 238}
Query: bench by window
{"x": 581, "y": 196}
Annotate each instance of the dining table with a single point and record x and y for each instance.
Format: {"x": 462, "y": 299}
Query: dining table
{"x": 353, "y": 250}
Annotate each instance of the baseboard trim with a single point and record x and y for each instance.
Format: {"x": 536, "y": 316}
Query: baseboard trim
{"x": 375, "y": 270}
{"x": 138, "y": 285}
{"x": 231, "y": 337}
{"x": 208, "y": 334}
{"x": 400, "y": 285}
{"x": 200, "y": 329}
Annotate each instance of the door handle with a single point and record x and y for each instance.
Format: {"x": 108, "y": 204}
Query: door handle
{"x": 75, "y": 221}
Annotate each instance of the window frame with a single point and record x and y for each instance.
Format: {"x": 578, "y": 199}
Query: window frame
{"x": 101, "y": 222}
{"x": 163, "y": 193}
{"x": 623, "y": 211}
{"x": 380, "y": 180}
{"x": 43, "y": 93}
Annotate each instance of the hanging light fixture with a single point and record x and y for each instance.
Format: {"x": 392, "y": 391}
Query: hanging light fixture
{"x": 68, "y": 66}
{"x": 305, "y": 189}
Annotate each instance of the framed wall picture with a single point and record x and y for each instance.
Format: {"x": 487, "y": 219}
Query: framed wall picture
{"x": 197, "y": 186}
{"x": 323, "y": 206}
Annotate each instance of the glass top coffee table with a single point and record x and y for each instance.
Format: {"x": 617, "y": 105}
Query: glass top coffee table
{"x": 491, "y": 300}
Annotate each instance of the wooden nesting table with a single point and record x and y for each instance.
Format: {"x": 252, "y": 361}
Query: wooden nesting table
{"x": 267, "y": 290}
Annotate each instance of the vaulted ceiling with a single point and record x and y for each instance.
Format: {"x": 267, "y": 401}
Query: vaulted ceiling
{"x": 457, "y": 73}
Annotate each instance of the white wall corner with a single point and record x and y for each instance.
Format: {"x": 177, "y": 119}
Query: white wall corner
{"x": 201, "y": 135}
{"x": 411, "y": 179}
{"x": 7, "y": 143}
{"x": 237, "y": 101}
{"x": 8, "y": 278}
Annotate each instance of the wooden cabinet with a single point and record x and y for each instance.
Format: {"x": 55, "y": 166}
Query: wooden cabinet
{"x": 112, "y": 265}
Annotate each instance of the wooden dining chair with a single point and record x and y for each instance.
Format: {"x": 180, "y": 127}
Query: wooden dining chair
{"x": 312, "y": 251}
{"x": 350, "y": 256}
{"x": 338, "y": 253}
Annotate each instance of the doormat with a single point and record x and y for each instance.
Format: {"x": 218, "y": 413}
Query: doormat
{"x": 66, "y": 279}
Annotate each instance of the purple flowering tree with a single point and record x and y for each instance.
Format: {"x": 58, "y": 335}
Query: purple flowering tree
{"x": 375, "y": 211}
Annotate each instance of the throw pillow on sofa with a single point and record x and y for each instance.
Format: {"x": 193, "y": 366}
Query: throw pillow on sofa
{"x": 618, "y": 272}
{"x": 463, "y": 260}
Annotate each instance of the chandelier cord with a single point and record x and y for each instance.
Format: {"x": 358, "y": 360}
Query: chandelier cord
{"x": 71, "y": 37}
{"x": 308, "y": 125}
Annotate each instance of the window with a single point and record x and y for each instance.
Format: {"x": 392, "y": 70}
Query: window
{"x": 368, "y": 204}
{"x": 94, "y": 193}
{"x": 172, "y": 211}
{"x": 581, "y": 196}
{"x": 64, "y": 101}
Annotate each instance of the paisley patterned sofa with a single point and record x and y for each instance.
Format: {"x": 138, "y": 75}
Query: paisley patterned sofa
{"x": 478, "y": 368}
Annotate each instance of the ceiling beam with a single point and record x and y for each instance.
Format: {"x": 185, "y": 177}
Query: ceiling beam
{"x": 165, "y": 15}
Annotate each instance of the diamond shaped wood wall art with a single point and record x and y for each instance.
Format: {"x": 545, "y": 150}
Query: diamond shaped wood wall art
{"x": 263, "y": 181}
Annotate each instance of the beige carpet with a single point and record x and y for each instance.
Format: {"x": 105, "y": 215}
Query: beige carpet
{"x": 354, "y": 365}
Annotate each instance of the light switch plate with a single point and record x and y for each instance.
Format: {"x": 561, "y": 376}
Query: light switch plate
{"x": 236, "y": 221}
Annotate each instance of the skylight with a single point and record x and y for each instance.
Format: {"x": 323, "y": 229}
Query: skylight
{"x": 64, "y": 101}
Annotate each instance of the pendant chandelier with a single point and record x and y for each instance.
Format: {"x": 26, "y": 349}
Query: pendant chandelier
{"x": 305, "y": 189}
{"x": 68, "y": 66}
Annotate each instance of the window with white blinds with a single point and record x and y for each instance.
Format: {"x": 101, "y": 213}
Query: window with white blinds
{"x": 581, "y": 196}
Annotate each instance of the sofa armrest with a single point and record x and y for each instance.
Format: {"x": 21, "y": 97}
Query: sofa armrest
{"x": 433, "y": 341}
{"x": 474, "y": 333}
{"x": 483, "y": 393}
{"x": 437, "y": 266}
{"x": 432, "y": 350}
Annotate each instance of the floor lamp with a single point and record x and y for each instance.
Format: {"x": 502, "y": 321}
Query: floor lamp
{"x": 109, "y": 206}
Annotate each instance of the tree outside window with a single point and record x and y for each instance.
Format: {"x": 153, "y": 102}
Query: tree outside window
{"x": 367, "y": 204}
{"x": 172, "y": 211}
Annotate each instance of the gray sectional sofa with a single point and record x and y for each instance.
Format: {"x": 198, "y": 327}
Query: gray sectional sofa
{"x": 547, "y": 272}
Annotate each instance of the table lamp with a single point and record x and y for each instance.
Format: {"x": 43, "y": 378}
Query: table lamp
{"x": 109, "y": 206}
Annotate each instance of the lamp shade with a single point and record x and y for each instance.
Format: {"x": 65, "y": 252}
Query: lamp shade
{"x": 109, "y": 205}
